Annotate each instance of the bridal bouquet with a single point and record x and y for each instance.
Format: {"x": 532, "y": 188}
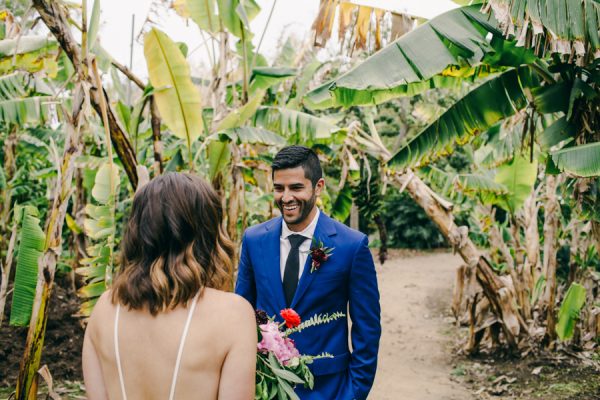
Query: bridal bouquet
{"x": 279, "y": 364}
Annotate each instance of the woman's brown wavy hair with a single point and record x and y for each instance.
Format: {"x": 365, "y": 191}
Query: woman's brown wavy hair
{"x": 174, "y": 245}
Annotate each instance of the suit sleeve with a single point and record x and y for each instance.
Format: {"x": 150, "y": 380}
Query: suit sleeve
{"x": 365, "y": 313}
{"x": 245, "y": 285}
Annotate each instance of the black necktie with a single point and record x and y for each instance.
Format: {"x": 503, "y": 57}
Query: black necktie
{"x": 292, "y": 268}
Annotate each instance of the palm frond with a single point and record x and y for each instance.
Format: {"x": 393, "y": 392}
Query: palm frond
{"x": 582, "y": 160}
{"x": 491, "y": 102}
{"x": 443, "y": 52}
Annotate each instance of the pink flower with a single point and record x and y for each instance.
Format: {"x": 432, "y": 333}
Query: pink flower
{"x": 273, "y": 340}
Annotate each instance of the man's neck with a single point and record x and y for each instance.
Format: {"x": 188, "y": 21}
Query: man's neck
{"x": 300, "y": 226}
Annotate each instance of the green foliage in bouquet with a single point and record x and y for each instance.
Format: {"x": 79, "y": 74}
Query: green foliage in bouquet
{"x": 279, "y": 365}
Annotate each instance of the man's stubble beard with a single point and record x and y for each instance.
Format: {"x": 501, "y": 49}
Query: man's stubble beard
{"x": 305, "y": 209}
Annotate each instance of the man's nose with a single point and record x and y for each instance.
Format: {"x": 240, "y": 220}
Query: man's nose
{"x": 287, "y": 196}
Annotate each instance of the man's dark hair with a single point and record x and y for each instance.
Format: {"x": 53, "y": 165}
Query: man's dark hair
{"x": 299, "y": 156}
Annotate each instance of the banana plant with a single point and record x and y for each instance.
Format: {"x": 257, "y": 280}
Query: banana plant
{"x": 455, "y": 40}
{"x": 100, "y": 226}
{"x": 177, "y": 98}
{"x": 31, "y": 246}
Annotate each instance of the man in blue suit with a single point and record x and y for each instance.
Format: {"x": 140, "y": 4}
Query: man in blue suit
{"x": 275, "y": 273}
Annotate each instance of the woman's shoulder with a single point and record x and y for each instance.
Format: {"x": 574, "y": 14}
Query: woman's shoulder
{"x": 228, "y": 304}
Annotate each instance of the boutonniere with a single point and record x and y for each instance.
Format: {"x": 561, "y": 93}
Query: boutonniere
{"x": 319, "y": 254}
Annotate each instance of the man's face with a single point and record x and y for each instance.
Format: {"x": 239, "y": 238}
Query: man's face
{"x": 294, "y": 195}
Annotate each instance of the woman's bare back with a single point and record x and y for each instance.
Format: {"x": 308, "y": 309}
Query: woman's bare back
{"x": 221, "y": 333}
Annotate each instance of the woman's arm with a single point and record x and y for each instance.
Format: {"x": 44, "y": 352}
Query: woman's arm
{"x": 239, "y": 368}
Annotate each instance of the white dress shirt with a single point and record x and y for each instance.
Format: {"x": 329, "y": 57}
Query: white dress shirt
{"x": 285, "y": 246}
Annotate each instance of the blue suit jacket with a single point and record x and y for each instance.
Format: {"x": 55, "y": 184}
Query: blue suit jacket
{"x": 346, "y": 282}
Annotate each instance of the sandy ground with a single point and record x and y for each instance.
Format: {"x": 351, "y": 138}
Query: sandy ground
{"x": 415, "y": 352}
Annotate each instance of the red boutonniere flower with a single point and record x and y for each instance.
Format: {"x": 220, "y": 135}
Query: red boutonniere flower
{"x": 319, "y": 254}
{"x": 291, "y": 317}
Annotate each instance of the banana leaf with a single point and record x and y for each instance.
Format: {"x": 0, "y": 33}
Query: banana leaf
{"x": 480, "y": 109}
{"x": 29, "y": 110}
{"x": 31, "y": 247}
{"x": 440, "y": 53}
{"x": 23, "y": 44}
{"x": 203, "y": 14}
{"x": 265, "y": 77}
{"x": 94, "y": 25}
{"x": 568, "y": 314}
{"x": 567, "y": 23}
{"x": 106, "y": 185}
{"x": 252, "y": 135}
{"x": 299, "y": 126}
{"x": 560, "y": 130}
{"x": 582, "y": 160}
{"x": 340, "y": 209}
{"x": 177, "y": 98}
{"x": 518, "y": 176}
{"x": 237, "y": 14}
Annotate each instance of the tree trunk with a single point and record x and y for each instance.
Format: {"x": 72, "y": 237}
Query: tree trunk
{"x": 5, "y": 270}
{"x": 551, "y": 221}
{"x": 157, "y": 144}
{"x": 439, "y": 211}
{"x": 78, "y": 242}
{"x": 531, "y": 267}
{"x": 56, "y": 20}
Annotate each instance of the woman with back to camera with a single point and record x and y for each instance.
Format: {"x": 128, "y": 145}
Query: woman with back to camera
{"x": 166, "y": 330}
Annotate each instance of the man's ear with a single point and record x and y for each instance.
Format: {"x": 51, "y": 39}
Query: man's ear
{"x": 319, "y": 186}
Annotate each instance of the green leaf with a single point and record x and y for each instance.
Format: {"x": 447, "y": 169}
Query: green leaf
{"x": 480, "y": 109}
{"x": 72, "y": 224}
{"x": 218, "y": 157}
{"x": 488, "y": 190}
{"x": 569, "y": 311}
{"x": 236, "y": 15}
{"x": 265, "y": 77}
{"x": 94, "y": 24}
{"x": 92, "y": 290}
{"x": 287, "y": 375}
{"x": 565, "y": 21}
{"x": 105, "y": 185}
{"x": 302, "y": 127}
{"x": 239, "y": 116}
{"x": 518, "y": 176}
{"x": 203, "y": 14}
{"x": 582, "y": 160}
{"x": 287, "y": 389}
{"x": 31, "y": 247}
{"x": 25, "y": 43}
{"x": 177, "y": 98}
{"x": 252, "y": 135}
{"x": 343, "y": 204}
{"x": 440, "y": 53}
{"x": 559, "y": 131}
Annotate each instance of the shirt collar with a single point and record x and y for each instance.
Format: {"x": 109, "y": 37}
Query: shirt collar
{"x": 308, "y": 232}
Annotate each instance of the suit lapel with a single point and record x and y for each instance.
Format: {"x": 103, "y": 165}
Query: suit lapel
{"x": 271, "y": 257}
{"x": 323, "y": 231}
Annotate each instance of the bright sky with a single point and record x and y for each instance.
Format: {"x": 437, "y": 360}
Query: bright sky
{"x": 289, "y": 17}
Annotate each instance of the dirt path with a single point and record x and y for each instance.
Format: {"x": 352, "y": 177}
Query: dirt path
{"x": 415, "y": 354}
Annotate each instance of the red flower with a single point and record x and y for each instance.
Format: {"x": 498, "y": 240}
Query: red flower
{"x": 319, "y": 257}
{"x": 291, "y": 317}
{"x": 319, "y": 254}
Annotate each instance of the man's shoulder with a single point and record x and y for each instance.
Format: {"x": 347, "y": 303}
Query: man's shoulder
{"x": 256, "y": 231}
{"x": 349, "y": 234}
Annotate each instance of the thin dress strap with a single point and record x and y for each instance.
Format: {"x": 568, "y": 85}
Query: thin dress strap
{"x": 117, "y": 354}
{"x": 181, "y": 344}
{"x": 179, "y": 352}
